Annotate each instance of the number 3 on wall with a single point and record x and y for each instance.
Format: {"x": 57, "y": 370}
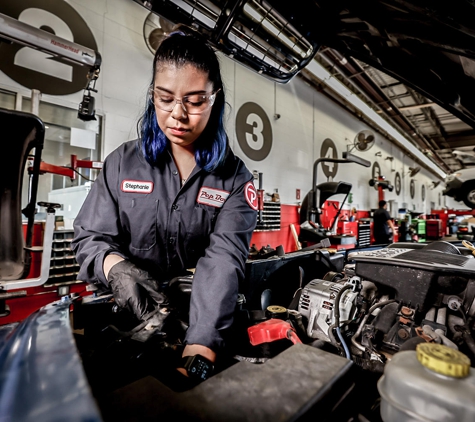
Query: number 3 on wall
{"x": 253, "y": 131}
{"x": 37, "y": 60}
{"x": 255, "y": 139}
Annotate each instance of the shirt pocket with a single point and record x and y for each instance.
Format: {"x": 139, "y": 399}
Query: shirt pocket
{"x": 141, "y": 221}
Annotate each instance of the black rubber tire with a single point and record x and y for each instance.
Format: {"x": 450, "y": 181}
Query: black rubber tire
{"x": 468, "y": 194}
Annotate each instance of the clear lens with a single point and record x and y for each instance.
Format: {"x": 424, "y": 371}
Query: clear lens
{"x": 192, "y": 104}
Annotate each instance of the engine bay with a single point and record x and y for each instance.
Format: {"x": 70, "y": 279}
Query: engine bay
{"x": 312, "y": 333}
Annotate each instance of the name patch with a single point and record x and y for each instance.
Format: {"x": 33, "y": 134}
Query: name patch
{"x": 213, "y": 197}
{"x": 136, "y": 186}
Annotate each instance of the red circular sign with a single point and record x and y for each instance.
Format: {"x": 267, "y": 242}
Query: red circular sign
{"x": 251, "y": 195}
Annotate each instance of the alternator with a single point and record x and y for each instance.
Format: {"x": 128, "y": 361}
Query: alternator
{"x": 316, "y": 304}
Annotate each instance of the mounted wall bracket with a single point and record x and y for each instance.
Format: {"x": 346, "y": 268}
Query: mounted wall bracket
{"x": 21, "y": 33}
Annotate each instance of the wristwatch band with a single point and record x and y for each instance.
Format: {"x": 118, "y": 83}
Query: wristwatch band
{"x": 198, "y": 367}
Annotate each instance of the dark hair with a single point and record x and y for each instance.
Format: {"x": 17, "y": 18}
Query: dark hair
{"x": 382, "y": 203}
{"x": 180, "y": 48}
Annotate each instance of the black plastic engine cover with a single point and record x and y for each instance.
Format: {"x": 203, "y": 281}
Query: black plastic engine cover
{"x": 416, "y": 276}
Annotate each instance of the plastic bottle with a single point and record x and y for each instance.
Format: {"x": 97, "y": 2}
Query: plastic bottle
{"x": 433, "y": 383}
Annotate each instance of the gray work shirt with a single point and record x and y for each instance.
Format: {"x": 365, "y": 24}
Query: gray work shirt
{"x": 144, "y": 214}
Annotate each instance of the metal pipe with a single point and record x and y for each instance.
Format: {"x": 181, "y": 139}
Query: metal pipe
{"x": 438, "y": 336}
{"x": 22, "y": 33}
{"x": 18, "y": 101}
{"x": 363, "y": 322}
{"x": 430, "y": 315}
{"x": 261, "y": 197}
{"x": 35, "y": 102}
{"x": 442, "y": 316}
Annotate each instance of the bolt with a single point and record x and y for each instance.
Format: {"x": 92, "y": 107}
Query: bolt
{"x": 403, "y": 334}
{"x": 454, "y": 303}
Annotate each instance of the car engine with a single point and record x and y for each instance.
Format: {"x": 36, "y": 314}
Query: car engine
{"x": 352, "y": 313}
{"x": 391, "y": 299}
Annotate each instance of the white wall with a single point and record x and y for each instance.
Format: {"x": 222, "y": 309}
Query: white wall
{"x": 306, "y": 116}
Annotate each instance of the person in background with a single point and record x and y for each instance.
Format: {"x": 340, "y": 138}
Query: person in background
{"x": 176, "y": 198}
{"x": 383, "y": 226}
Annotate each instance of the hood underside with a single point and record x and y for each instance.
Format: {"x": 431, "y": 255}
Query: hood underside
{"x": 426, "y": 47}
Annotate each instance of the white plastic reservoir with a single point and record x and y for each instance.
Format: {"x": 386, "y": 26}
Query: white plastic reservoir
{"x": 433, "y": 383}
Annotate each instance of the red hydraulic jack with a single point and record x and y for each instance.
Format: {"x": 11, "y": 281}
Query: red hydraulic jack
{"x": 272, "y": 330}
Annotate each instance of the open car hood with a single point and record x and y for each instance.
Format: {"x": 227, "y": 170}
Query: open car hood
{"x": 424, "y": 44}
{"x": 428, "y": 45}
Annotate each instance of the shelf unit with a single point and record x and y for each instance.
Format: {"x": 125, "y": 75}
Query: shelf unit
{"x": 63, "y": 267}
{"x": 271, "y": 217}
{"x": 364, "y": 234}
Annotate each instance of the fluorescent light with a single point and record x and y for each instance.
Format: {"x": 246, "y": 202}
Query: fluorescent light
{"x": 273, "y": 29}
{"x": 321, "y": 73}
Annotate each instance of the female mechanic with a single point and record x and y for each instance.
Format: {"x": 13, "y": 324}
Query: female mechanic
{"x": 177, "y": 198}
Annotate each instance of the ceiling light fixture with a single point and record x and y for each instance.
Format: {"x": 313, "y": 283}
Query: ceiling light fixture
{"x": 274, "y": 30}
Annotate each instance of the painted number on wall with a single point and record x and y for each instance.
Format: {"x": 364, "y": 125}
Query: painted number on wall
{"x": 376, "y": 171}
{"x": 38, "y": 70}
{"x": 397, "y": 183}
{"x": 328, "y": 150}
{"x": 253, "y": 131}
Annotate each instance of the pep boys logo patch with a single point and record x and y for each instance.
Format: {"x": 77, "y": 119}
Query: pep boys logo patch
{"x": 213, "y": 197}
{"x": 251, "y": 195}
{"x": 136, "y": 186}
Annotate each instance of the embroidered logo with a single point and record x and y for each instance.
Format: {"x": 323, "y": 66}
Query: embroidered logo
{"x": 251, "y": 195}
{"x": 136, "y": 186}
{"x": 213, "y": 197}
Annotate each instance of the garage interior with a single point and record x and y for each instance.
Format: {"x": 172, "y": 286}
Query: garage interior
{"x": 329, "y": 325}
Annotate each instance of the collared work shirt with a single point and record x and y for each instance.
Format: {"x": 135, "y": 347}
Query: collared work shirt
{"x": 144, "y": 214}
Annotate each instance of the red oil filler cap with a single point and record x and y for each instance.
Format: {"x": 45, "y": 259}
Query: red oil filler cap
{"x": 272, "y": 330}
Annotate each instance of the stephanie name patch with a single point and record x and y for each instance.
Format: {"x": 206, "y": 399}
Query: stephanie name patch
{"x": 136, "y": 186}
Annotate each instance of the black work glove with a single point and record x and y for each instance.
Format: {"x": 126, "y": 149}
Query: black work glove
{"x": 134, "y": 289}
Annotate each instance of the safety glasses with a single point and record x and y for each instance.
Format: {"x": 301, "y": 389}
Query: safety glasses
{"x": 191, "y": 104}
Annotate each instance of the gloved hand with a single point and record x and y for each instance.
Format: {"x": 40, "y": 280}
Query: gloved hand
{"x": 134, "y": 289}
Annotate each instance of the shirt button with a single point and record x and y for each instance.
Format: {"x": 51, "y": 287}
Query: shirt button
{"x": 175, "y": 172}
{"x": 171, "y": 240}
{"x": 174, "y": 207}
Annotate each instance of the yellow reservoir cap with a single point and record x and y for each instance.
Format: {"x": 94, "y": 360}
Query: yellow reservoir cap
{"x": 443, "y": 360}
{"x": 276, "y": 309}
{"x": 278, "y": 312}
